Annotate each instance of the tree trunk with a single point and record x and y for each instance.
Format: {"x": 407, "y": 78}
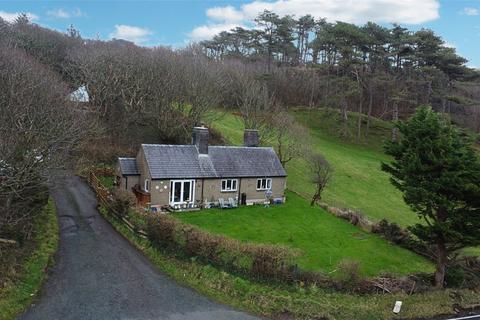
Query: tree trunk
{"x": 315, "y": 198}
{"x": 395, "y": 118}
{"x": 360, "y": 118}
{"x": 345, "y": 117}
{"x": 441, "y": 264}
{"x": 370, "y": 106}
{"x": 442, "y": 254}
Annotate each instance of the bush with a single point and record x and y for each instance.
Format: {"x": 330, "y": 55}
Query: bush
{"x": 349, "y": 274}
{"x": 392, "y": 232}
{"x": 454, "y": 276}
{"x": 161, "y": 231}
{"x": 122, "y": 201}
{"x": 268, "y": 261}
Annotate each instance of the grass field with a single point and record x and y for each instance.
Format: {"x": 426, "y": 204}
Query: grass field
{"x": 323, "y": 239}
{"x": 357, "y": 183}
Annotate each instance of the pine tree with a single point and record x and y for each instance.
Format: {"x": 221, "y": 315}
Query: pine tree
{"x": 438, "y": 170}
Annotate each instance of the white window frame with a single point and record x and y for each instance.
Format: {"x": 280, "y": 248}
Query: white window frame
{"x": 171, "y": 197}
{"x": 146, "y": 185}
{"x": 232, "y": 182}
{"x": 264, "y": 186}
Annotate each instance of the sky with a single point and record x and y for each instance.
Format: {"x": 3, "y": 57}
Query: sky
{"x": 176, "y": 23}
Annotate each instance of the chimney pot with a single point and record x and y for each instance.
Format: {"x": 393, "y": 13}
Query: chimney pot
{"x": 251, "y": 138}
{"x": 200, "y": 139}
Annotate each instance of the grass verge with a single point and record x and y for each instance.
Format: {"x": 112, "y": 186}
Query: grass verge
{"x": 289, "y": 301}
{"x": 15, "y": 297}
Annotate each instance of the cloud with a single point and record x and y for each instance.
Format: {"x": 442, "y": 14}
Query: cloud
{"x": 65, "y": 14}
{"x": 470, "y": 11}
{"x": 353, "y": 11}
{"x": 131, "y": 33}
{"x": 227, "y": 13}
{"x": 11, "y": 16}
{"x": 208, "y": 31}
{"x": 59, "y": 13}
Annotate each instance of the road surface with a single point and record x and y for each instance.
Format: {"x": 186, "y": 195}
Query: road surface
{"x": 465, "y": 318}
{"x": 99, "y": 275}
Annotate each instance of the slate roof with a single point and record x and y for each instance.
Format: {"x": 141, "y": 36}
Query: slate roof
{"x": 128, "y": 166}
{"x": 184, "y": 161}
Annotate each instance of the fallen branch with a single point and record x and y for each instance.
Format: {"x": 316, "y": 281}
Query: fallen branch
{"x": 8, "y": 241}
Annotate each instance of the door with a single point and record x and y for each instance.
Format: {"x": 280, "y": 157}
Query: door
{"x": 182, "y": 191}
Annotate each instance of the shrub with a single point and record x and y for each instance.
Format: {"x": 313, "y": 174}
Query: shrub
{"x": 349, "y": 274}
{"x": 161, "y": 230}
{"x": 269, "y": 261}
{"x": 122, "y": 201}
{"x": 392, "y": 232}
{"x": 454, "y": 276}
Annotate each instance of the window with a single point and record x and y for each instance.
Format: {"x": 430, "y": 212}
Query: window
{"x": 147, "y": 185}
{"x": 264, "y": 184}
{"x": 229, "y": 185}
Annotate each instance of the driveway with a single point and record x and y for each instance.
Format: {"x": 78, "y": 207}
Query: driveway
{"x": 99, "y": 275}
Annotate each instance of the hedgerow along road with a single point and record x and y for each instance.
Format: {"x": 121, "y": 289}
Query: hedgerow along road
{"x": 100, "y": 275}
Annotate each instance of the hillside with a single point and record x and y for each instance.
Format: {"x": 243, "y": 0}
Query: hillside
{"x": 357, "y": 183}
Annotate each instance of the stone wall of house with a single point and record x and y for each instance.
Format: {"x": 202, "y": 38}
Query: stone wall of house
{"x": 143, "y": 169}
{"x": 128, "y": 182}
{"x": 159, "y": 192}
{"x": 249, "y": 186}
{"x": 209, "y": 190}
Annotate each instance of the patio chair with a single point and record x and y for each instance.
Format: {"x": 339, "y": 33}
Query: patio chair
{"x": 222, "y": 204}
{"x": 232, "y": 203}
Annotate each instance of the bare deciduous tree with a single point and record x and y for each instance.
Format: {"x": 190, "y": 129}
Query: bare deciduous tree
{"x": 321, "y": 172}
{"x": 39, "y": 127}
{"x": 287, "y": 136}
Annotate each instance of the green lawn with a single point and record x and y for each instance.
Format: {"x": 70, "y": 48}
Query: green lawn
{"x": 323, "y": 238}
{"x": 357, "y": 183}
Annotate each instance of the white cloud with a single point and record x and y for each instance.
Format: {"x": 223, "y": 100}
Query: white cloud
{"x": 65, "y": 14}
{"x": 131, "y": 33}
{"x": 208, "y": 31}
{"x": 59, "y": 13}
{"x": 470, "y": 11}
{"x": 353, "y": 11}
{"x": 227, "y": 13}
{"x": 11, "y": 16}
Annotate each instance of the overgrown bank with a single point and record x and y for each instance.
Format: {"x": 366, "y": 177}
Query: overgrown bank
{"x": 17, "y": 294}
{"x": 299, "y": 301}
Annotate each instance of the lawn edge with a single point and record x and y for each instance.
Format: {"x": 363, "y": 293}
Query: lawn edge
{"x": 19, "y": 295}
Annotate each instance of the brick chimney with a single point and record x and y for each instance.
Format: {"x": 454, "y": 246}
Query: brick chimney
{"x": 250, "y": 138}
{"x": 200, "y": 139}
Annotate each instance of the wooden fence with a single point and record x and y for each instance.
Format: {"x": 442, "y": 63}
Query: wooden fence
{"x": 105, "y": 198}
